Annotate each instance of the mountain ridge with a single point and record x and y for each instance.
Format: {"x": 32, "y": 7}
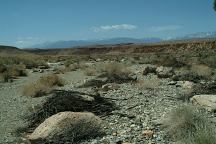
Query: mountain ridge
{"x": 118, "y": 40}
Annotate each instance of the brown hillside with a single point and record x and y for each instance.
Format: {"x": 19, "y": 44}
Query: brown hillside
{"x": 207, "y": 45}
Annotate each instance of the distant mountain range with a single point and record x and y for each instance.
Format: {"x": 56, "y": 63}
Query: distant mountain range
{"x": 121, "y": 40}
{"x": 199, "y": 35}
{"x": 74, "y": 43}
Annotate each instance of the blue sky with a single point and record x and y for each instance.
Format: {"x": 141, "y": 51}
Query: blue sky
{"x": 28, "y": 22}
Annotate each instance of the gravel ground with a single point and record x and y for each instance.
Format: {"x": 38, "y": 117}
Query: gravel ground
{"x": 138, "y": 108}
{"x": 14, "y": 107}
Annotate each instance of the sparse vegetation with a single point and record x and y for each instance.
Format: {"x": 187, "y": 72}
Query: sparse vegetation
{"x": 194, "y": 73}
{"x": 202, "y": 71}
{"x": 90, "y": 71}
{"x": 4, "y": 77}
{"x": 17, "y": 70}
{"x": 209, "y": 60}
{"x": 43, "y": 86}
{"x": 13, "y": 71}
{"x": 169, "y": 61}
{"x": 28, "y": 61}
{"x": 190, "y": 125}
{"x": 116, "y": 69}
{"x": 51, "y": 80}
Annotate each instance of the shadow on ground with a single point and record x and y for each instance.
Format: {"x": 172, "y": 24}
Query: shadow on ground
{"x": 61, "y": 101}
{"x": 108, "y": 79}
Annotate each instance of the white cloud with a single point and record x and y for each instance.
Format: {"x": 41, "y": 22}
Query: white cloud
{"x": 165, "y": 28}
{"x": 114, "y": 27}
{"x": 20, "y": 42}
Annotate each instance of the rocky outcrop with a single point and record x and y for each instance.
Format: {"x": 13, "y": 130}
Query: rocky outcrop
{"x": 207, "y": 101}
{"x": 67, "y": 126}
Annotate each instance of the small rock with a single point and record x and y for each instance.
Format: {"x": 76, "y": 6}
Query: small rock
{"x": 147, "y": 133}
{"x": 115, "y": 134}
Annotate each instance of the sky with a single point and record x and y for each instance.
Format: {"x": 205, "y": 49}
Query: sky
{"x": 27, "y": 22}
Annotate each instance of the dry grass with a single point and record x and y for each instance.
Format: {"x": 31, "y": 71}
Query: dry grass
{"x": 3, "y": 68}
{"x": 30, "y": 61}
{"x": 17, "y": 70}
{"x": 202, "y": 70}
{"x": 90, "y": 71}
{"x": 4, "y": 77}
{"x": 116, "y": 69}
{"x": 51, "y": 80}
{"x": 13, "y": 71}
{"x": 43, "y": 86}
{"x": 190, "y": 125}
{"x": 35, "y": 90}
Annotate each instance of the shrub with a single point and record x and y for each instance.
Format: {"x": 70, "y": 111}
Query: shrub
{"x": 4, "y": 77}
{"x": 116, "y": 69}
{"x": 187, "y": 123}
{"x": 169, "y": 61}
{"x": 205, "y": 135}
{"x": 35, "y": 90}
{"x": 43, "y": 86}
{"x": 195, "y": 73}
{"x": 29, "y": 62}
{"x": 90, "y": 71}
{"x": 209, "y": 60}
{"x": 202, "y": 71}
{"x": 17, "y": 70}
{"x": 3, "y": 68}
{"x": 51, "y": 80}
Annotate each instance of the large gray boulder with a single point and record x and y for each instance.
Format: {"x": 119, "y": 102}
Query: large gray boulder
{"x": 207, "y": 101}
{"x": 67, "y": 126}
{"x": 164, "y": 72}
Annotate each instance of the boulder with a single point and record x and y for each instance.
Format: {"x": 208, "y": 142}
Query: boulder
{"x": 164, "y": 72}
{"x": 208, "y": 101}
{"x": 66, "y": 126}
{"x": 149, "y": 69}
